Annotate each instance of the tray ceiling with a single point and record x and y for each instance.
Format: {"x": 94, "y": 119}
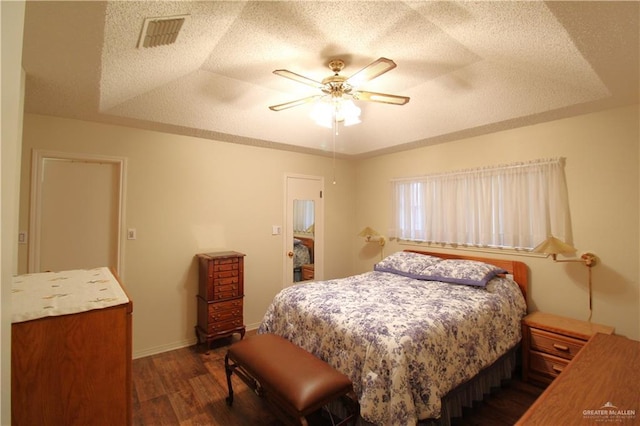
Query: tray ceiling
{"x": 469, "y": 67}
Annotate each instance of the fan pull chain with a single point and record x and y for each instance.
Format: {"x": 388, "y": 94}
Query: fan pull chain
{"x": 334, "y": 133}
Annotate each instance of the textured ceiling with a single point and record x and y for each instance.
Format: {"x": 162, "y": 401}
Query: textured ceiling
{"x": 469, "y": 67}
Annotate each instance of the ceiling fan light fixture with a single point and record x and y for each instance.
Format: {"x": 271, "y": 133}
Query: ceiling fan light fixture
{"x": 322, "y": 113}
{"x": 329, "y": 109}
{"x": 336, "y": 105}
{"x": 348, "y": 113}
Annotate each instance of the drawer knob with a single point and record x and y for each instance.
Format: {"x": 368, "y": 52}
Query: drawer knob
{"x": 562, "y": 348}
{"x": 557, "y": 368}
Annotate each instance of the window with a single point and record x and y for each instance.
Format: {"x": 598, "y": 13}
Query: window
{"x": 512, "y": 206}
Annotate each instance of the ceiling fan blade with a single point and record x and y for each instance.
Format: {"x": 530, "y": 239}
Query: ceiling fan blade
{"x": 299, "y": 78}
{"x": 371, "y": 71}
{"x": 295, "y": 103}
{"x": 380, "y": 97}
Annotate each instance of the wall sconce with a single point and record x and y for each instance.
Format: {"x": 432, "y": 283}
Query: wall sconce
{"x": 370, "y": 235}
{"x": 553, "y": 246}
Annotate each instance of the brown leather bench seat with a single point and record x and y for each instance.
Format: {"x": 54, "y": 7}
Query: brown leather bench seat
{"x": 296, "y": 382}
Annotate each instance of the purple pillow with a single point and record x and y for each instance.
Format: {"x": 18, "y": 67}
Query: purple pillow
{"x": 406, "y": 263}
{"x": 461, "y": 271}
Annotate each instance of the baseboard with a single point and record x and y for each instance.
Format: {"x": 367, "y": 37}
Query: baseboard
{"x": 177, "y": 345}
{"x": 164, "y": 348}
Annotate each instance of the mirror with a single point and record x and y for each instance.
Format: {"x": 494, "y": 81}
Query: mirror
{"x": 303, "y": 240}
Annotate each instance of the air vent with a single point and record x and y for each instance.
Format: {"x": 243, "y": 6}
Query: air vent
{"x": 160, "y": 31}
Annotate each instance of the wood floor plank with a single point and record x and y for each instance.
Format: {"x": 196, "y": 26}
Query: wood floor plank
{"x": 157, "y": 411}
{"x": 174, "y": 367}
{"x": 185, "y": 405}
{"x": 188, "y": 387}
{"x": 147, "y": 380}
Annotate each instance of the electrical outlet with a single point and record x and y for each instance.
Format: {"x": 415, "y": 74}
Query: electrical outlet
{"x": 131, "y": 234}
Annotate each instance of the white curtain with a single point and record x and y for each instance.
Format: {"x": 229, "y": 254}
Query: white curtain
{"x": 303, "y": 216}
{"x": 515, "y": 206}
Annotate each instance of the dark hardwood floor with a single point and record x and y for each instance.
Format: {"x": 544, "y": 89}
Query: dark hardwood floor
{"x": 188, "y": 387}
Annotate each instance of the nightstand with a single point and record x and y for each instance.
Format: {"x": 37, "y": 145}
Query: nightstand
{"x": 307, "y": 272}
{"x": 549, "y": 343}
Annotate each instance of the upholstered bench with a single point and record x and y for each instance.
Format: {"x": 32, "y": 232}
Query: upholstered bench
{"x": 294, "y": 381}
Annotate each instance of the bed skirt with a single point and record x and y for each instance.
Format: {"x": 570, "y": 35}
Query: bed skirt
{"x": 465, "y": 394}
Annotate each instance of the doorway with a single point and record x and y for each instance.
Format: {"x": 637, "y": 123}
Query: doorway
{"x": 303, "y": 229}
{"x": 76, "y": 212}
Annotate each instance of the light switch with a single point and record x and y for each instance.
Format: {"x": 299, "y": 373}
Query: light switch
{"x": 131, "y": 234}
{"x": 276, "y": 230}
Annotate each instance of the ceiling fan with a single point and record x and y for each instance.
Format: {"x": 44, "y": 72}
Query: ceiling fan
{"x": 337, "y": 86}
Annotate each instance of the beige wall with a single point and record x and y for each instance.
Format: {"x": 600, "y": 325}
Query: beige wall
{"x": 13, "y": 78}
{"x": 601, "y": 152}
{"x": 186, "y": 195}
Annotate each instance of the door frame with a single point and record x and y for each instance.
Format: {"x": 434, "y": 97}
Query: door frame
{"x": 38, "y": 157}
{"x": 287, "y": 246}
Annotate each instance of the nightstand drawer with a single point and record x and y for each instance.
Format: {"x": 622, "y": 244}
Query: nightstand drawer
{"x": 307, "y": 272}
{"x": 555, "y": 344}
{"x": 546, "y": 365}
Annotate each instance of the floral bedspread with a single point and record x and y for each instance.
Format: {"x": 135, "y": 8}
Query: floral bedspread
{"x": 403, "y": 342}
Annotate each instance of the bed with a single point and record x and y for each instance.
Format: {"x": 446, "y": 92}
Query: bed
{"x": 414, "y": 335}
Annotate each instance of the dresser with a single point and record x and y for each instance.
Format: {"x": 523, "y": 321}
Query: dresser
{"x": 550, "y": 342}
{"x": 599, "y": 386}
{"x": 220, "y": 295}
{"x": 71, "y": 359}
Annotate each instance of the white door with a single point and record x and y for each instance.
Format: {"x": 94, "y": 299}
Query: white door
{"x": 76, "y": 212}
{"x": 308, "y": 191}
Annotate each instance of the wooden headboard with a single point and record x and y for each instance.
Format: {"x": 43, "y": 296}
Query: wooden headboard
{"x": 516, "y": 268}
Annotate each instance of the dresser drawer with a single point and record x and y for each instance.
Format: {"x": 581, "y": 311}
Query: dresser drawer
{"x": 546, "y": 365}
{"x": 229, "y": 264}
{"x": 223, "y": 285}
{"x": 225, "y": 306}
{"x": 224, "y": 326}
{"x": 225, "y": 293}
{"x": 225, "y": 315}
{"x": 225, "y": 274}
{"x": 555, "y": 344}
{"x": 230, "y": 313}
{"x": 225, "y": 281}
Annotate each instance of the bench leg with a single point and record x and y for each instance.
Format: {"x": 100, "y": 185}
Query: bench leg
{"x": 229, "y": 371}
